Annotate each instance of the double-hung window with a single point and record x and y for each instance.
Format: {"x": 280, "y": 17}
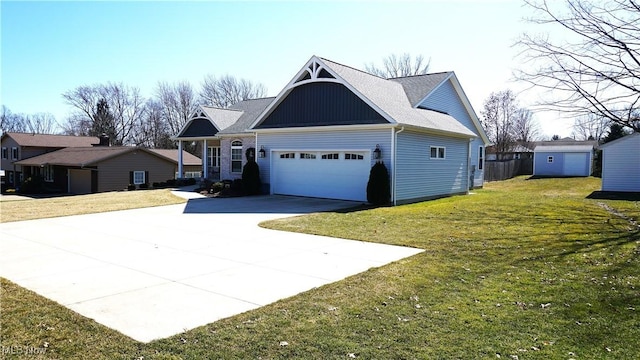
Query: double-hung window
{"x": 5, "y": 152}
{"x": 14, "y": 153}
{"x": 213, "y": 156}
{"x": 138, "y": 177}
{"x": 48, "y": 173}
{"x": 236, "y": 156}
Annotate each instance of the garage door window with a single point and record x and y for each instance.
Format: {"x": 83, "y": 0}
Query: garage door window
{"x": 288, "y": 156}
{"x": 307, "y": 156}
{"x": 349, "y": 156}
{"x": 236, "y": 156}
{"x": 333, "y": 156}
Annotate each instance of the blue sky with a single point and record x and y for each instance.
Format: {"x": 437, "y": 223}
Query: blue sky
{"x": 51, "y": 47}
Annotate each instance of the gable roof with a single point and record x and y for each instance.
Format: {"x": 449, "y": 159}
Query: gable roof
{"x": 49, "y": 140}
{"x": 87, "y": 156}
{"x": 207, "y": 121}
{"x": 387, "y": 97}
{"x": 564, "y": 148}
{"x": 622, "y": 139}
{"x": 418, "y": 87}
{"x": 250, "y": 110}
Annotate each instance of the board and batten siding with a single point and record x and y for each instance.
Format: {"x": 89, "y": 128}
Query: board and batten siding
{"x": 113, "y": 173}
{"x": 420, "y": 177}
{"x": 323, "y": 140}
{"x": 446, "y": 99}
{"x": 621, "y": 165}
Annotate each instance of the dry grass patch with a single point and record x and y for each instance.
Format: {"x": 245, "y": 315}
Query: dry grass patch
{"x": 20, "y": 210}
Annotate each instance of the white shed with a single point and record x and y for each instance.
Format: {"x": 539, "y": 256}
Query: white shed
{"x": 621, "y": 164}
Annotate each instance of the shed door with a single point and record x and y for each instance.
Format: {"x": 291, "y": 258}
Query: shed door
{"x": 323, "y": 174}
{"x": 575, "y": 164}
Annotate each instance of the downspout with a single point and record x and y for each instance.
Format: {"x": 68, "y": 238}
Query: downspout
{"x": 394, "y": 141}
{"x": 471, "y": 181}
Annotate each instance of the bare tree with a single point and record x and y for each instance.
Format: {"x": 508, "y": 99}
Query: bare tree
{"x": 10, "y": 122}
{"x": 590, "y": 127}
{"x": 41, "y": 123}
{"x": 589, "y": 60}
{"x": 225, "y": 91}
{"x": 399, "y": 66}
{"x": 178, "y": 102}
{"x": 123, "y": 103}
{"x": 525, "y": 128}
{"x": 498, "y": 112}
{"x": 152, "y": 130}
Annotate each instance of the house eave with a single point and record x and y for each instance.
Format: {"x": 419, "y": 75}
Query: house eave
{"x": 324, "y": 128}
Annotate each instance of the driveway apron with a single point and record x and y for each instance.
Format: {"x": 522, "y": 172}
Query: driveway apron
{"x": 156, "y": 272}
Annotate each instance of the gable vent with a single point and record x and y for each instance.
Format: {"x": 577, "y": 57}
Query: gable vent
{"x": 313, "y": 72}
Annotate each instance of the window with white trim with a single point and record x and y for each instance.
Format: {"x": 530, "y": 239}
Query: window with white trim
{"x": 480, "y": 157}
{"x": 550, "y": 159}
{"x": 48, "y": 173}
{"x": 5, "y": 152}
{"x": 213, "y": 156}
{"x": 307, "y": 156}
{"x": 138, "y": 177}
{"x": 438, "y": 152}
{"x": 332, "y": 156}
{"x": 288, "y": 156}
{"x": 236, "y": 156}
{"x": 14, "y": 153}
{"x": 351, "y": 156}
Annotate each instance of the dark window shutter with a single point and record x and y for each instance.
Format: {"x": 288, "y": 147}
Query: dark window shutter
{"x": 130, "y": 177}
{"x": 146, "y": 177}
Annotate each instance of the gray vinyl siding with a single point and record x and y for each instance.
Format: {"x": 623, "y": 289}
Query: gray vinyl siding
{"x": 445, "y": 99}
{"x": 621, "y": 165}
{"x": 420, "y": 177}
{"x": 324, "y": 140}
{"x": 113, "y": 174}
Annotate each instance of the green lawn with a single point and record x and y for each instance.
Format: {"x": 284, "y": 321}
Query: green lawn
{"x": 526, "y": 269}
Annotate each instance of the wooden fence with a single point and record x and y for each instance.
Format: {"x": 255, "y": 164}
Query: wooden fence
{"x": 503, "y": 170}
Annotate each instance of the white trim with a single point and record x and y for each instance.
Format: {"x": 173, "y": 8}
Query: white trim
{"x": 295, "y": 83}
{"x": 438, "y": 148}
{"x": 325, "y": 128}
{"x": 231, "y": 160}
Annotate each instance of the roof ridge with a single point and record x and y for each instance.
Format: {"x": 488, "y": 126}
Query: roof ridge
{"x": 418, "y": 75}
{"x": 352, "y": 68}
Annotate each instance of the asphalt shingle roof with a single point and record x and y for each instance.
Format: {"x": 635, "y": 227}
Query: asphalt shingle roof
{"x": 85, "y": 156}
{"x": 419, "y": 86}
{"x": 390, "y": 97}
{"x": 250, "y": 109}
{"x": 48, "y": 140}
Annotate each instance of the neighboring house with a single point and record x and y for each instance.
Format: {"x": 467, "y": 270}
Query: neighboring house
{"x": 322, "y": 133}
{"x": 566, "y": 157}
{"x": 84, "y": 170}
{"x": 621, "y": 164}
{"x": 17, "y": 146}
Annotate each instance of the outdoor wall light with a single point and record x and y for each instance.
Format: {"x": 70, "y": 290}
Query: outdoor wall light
{"x": 377, "y": 153}
{"x": 262, "y": 153}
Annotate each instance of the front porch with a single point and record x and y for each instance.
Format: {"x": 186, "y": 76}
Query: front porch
{"x": 209, "y": 148}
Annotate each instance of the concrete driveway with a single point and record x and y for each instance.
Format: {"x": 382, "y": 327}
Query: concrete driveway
{"x": 155, "y": 272}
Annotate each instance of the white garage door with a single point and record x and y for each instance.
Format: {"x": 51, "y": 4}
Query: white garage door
{"x": 324, "y": 174}
{"x": 575, "y": 164}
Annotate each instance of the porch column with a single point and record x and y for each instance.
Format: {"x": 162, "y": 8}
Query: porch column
{"x": 179, "y": 158}
{"x": 205, "y": 164}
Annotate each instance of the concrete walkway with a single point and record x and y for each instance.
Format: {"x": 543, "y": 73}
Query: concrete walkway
{"x": 155, "y": 272}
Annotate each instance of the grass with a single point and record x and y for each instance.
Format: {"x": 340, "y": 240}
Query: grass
{"x": 19, "y": 210}
{"x": 526, "y": 269}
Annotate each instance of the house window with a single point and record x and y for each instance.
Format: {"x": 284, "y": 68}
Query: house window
{"x": 288, "y": 156}
{"x": 213, "y": 156}
{"x": 349, "y": 156}
{"x": 236, "y": 156}
{"x": 138, "y": 177}
{"x": 332, "y": 156}
{"x": 307, "y": 156}
{"x": 550, "y": 159}
{"x": 48, "y": 173}
{"x": 11, "y": 178}
{"x": 14, "y": 153}
{"x": 480, "y": 157}
{"x": 438, "y": 152}
{"x": 5, "y": 152}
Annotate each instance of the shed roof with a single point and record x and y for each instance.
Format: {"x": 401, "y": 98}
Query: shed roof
{"x": 49, "y": 140}
{"x": 564, "y": 148}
